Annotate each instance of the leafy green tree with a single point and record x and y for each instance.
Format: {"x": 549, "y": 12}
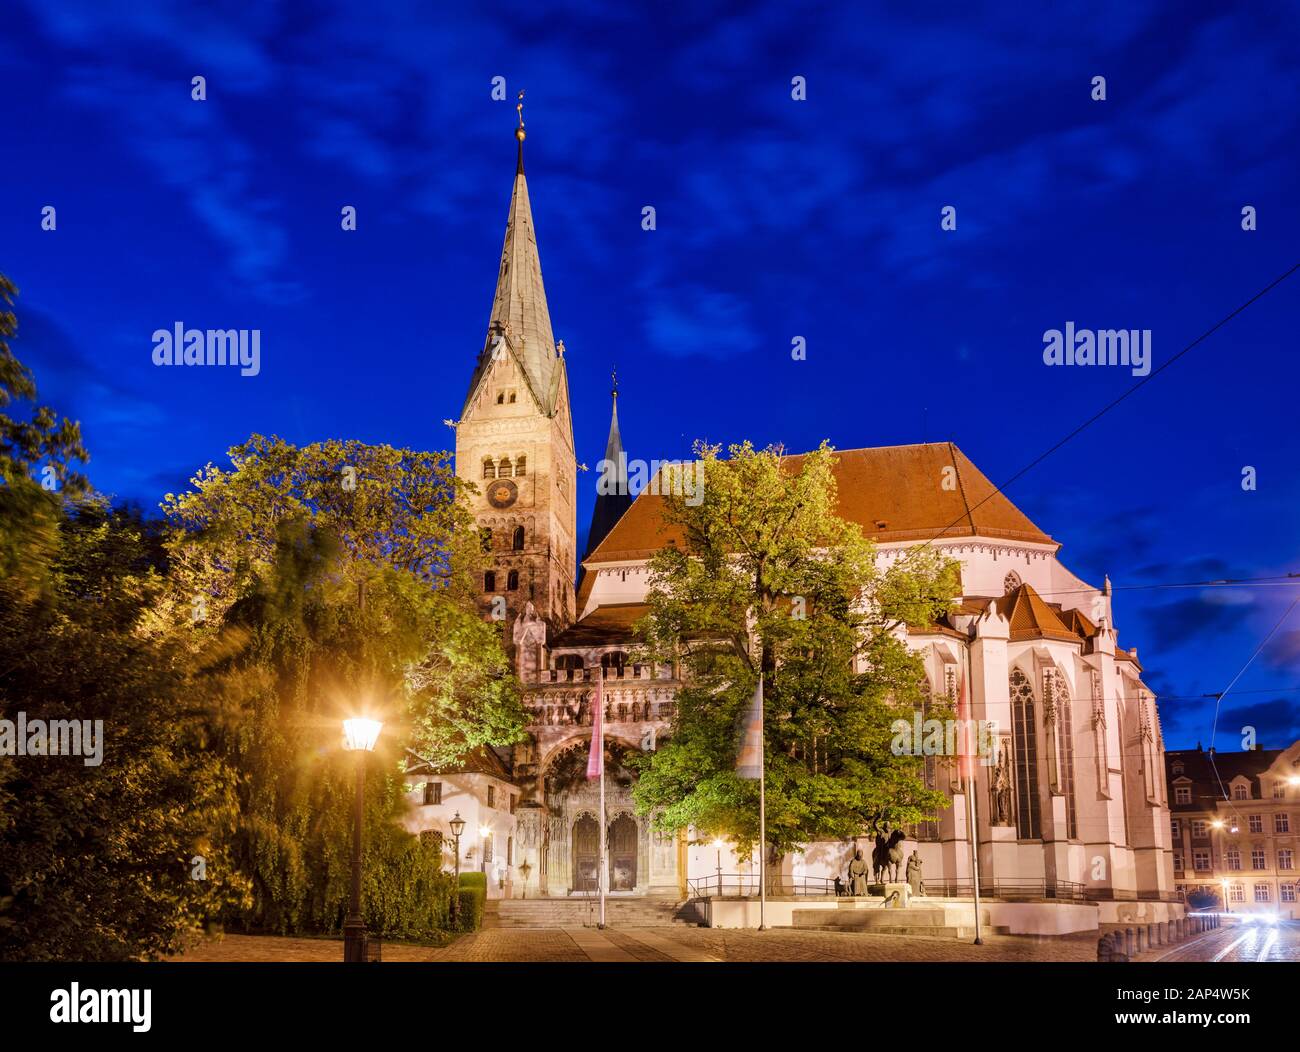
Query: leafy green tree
{"x": 336, "y": 578}
{"x": 39, "y": 442}
{"x": 771, "y": 580}
{"x": 120, "y": 860}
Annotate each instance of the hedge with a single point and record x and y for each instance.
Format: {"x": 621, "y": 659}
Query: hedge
{"x": 472, "y": 894}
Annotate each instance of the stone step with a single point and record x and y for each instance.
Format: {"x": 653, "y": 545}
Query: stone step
{"x": 564, "y": 913}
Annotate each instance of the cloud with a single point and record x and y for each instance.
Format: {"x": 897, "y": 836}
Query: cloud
{"x": 689, "y": 320}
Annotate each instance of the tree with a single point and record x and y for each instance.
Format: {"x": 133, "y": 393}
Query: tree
{"x": 42, "y": 442}
{"x": 771, "y": 580}
{"x": 334, "y": 578}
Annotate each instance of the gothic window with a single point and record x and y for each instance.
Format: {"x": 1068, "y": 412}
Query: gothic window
{"x": 512, "y": 397}
{"x": 512, "y": 581}
{"x": 501, "y": 397}
{"x": 521, "y": 466}
{"x": 503, "y": 468}
{"x": 1011, "y": 582}
{"x": 490, "y": 581}
{"x": 1065, "y": 727}
{"x": 517, "y": 542}
{"x": 489, "y": 468}
{"x": 1024, "y": 731}
{"x": 929, "y": 829}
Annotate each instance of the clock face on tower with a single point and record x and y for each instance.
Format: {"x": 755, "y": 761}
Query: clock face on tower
{"x": 502, "y": 493}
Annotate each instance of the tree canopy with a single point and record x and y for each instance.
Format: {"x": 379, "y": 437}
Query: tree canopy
{"x": 770, "y": 580}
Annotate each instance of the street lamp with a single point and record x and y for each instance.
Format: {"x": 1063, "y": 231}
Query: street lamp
{"x": 359, "y": 736}
{"x": 457, "y": 827}
{"x": 484, "y": 832}
{"x": 717, "y": 842}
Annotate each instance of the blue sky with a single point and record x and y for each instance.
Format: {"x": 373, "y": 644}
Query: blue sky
{"x": 776, "y": 218}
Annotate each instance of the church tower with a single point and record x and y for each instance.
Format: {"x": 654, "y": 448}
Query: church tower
{"x": 514, "y": 440}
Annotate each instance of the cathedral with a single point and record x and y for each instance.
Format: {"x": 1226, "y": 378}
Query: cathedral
{"x": 1072, "y": 804}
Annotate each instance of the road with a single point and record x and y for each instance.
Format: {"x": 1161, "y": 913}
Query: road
{"x": 1238, "y": 942}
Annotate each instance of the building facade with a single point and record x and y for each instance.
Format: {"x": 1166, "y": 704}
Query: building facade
{"x": 1234, "y": 827}
{"x": 1073, "y": 798}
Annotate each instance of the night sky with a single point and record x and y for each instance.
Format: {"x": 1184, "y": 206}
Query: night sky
{"x": 776, "y": 219}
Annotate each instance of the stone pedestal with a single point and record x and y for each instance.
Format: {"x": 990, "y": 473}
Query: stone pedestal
{"x": 897, "y": 895}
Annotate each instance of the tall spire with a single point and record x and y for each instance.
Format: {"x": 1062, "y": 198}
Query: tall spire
{"x": 519, "y": 310}
{"x": 612, "y": 496}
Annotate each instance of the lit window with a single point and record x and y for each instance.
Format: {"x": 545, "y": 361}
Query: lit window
{"x": 1257, "y": 823}
{"x": 1236, "y": 893}
{"x": 1240, "y": 792}
{"x": 1281, "y": 823}
{"x": 1262, "y": 893}
{"x": 1182, "y": 794}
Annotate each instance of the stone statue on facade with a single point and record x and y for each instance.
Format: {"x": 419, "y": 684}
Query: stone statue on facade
{"x": 914, "y": 874}
{"x": 858, "y": 875}
{"x": 1001, "y": 789}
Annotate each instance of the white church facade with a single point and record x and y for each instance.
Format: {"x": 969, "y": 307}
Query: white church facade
{"x": 1074, "y": 805}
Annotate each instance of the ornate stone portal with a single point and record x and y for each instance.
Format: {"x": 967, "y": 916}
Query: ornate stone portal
{"x": 565, "y": 829}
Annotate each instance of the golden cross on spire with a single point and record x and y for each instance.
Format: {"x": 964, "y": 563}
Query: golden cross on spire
{"x": 519, "y": 108}
{"x": 613, "y": 375}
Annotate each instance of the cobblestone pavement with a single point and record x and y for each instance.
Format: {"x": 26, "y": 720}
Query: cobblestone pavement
{"x": 1239, "y": 943}
{"x": 674, "y": 943}
{"x": 779, "y": 944}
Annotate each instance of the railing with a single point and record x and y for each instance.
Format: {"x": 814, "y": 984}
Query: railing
{"x": 1008, "y": 889}
{"x": 745, "y": 885}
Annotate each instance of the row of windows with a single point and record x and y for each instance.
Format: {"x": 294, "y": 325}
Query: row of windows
{"x": 432, "y": 839}
{"x": 504, "y": 468}
{"x": 490, "y": 581}
{"x": 1232, "y": 859}
{"x": 1183, "y": 793}
{"x": 616, "y": 660}
{"x": 433, "y": 795}
{"x": 516, "y": 538}
{"x": 1255, "y": 824}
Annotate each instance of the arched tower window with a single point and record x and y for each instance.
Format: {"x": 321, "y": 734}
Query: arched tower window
{"x": 512, "y": 397}
{"x": 521, "y": 466}
{"x": 501, "y": 398}
{"x": 490, "y": 581}
{"x": 503, "y": 468}
{"x": 517, "y": 541}
{"x": 1025, "y": 736}
{"x": 512, "y": 581}
{"x": 489, "y": 468}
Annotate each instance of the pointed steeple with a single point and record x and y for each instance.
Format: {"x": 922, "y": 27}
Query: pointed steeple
{"x": 519, "y": 310}
{"x": 612, "y": 496}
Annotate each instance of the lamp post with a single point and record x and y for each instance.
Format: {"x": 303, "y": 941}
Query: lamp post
{"x": 484, "y": 831}
{"x": 359, "y": 736}
{"x": 717, "y": 842}
{"x": 457, "y": 827}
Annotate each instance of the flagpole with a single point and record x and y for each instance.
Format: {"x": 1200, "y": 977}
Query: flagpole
{"x": 971, "y": 816}
{"x": 762, "y": 813}
{"x": 604, "y": 833}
